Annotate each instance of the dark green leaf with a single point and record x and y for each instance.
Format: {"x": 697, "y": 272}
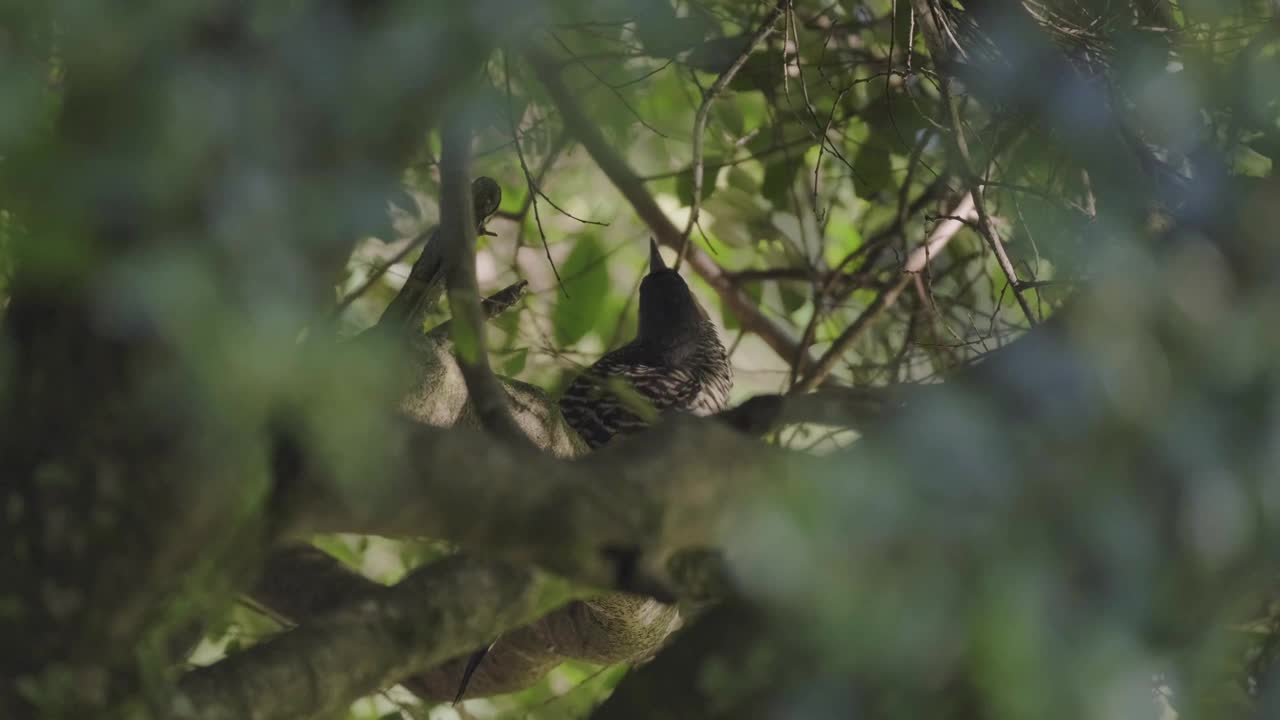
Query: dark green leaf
{"x": 586, "y": 278}
{"x": 894, "y": 121}
{"x": 728, "y": 115}
{"x": 663, "y": 34}
{"x": 742, "y": 180}
{"x": 711, "y": 168}
{"x": 779, "y": 177}
{"x": 754, "y": 291}
{"x": 792, "y": 296}
{"x": 762, "y": 71}
{"x": 871, "y": 169}
{"x": 514, "y": 364}
{"x": 1267, "y": 145}
{"x": 717, "y": 54}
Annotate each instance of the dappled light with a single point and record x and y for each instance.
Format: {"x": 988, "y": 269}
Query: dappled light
{"x": 623, "y": 359}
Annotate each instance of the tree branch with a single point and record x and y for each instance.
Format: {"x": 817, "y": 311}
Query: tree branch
{"x": 616, "y": 518}
{"x": 915, "y": 263}
{"x": 385, "y": 635}
{"x": 303, "y": 584}
{"x": 986, "y": 228}
{"x": 632, "y": 188}
{"x": 457, "y": 221}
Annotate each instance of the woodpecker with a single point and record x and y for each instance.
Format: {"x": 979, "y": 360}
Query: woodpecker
{"x": 675, "y": 363}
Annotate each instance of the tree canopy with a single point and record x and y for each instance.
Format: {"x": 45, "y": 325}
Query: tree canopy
{"x": 289, "y": 291}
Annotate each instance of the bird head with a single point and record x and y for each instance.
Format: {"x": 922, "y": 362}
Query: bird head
{"x": 668, "y": 311}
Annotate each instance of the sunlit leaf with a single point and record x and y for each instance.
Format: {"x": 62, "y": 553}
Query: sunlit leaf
{"x": 842, "y": 239}
{"x": 514, "y": 364}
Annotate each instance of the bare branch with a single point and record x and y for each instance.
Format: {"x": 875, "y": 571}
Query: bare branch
{"x": 385, "y": 635}
{"x": 986, "y": 228}
{"x": 916, "y": 262}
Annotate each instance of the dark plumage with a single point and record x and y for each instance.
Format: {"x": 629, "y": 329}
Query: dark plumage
{"x": 675, "y": 363}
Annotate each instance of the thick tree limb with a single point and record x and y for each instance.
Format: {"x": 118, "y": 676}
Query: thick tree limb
{"x": 615, "y": 519}
{"x": 320, "y": 668}
{"x": 300, "y": 583}
{"x": 734, "y": 638}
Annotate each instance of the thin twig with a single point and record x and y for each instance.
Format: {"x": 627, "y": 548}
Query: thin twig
{"x": 916, "y": 262}
{"x": 530, "y": 184}
{"x": 986, "y": 228}
{"x": 614, "y": 90}
{"x": 700, "y": 120}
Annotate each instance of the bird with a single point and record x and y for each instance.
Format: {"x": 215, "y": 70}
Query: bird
{"x": 675, "y": 363}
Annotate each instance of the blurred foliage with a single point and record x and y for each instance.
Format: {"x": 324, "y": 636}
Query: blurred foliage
{"x": 827, "y": 161}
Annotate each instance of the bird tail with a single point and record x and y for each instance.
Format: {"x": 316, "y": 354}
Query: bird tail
{"x": 473, "y": 663}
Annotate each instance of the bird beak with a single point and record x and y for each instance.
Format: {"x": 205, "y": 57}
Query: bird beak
{"x": 655, "y": 257}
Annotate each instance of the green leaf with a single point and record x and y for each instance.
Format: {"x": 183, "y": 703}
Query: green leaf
{"x": 711, "y": 168}
{"x": 754, "y": 291}
{"x": 515, "y": 362}
{"x": 762, "y": 71}
{"x": 613, "y": 321}
{"x": 336, "y": 547}
{"x": 842, "y": 239}
{"x": 792, "y": 296}
{"x": 779, "y": 176}
{"x": 586, "y": 279}
{"x": 664, "y": 35}
{"x": 728, "y": 115}
{"x": 894, "y": 121}
{"x": 872, "y": 169}
{"x": 1267, "y": 145}
{"x": 740, "y": 179}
